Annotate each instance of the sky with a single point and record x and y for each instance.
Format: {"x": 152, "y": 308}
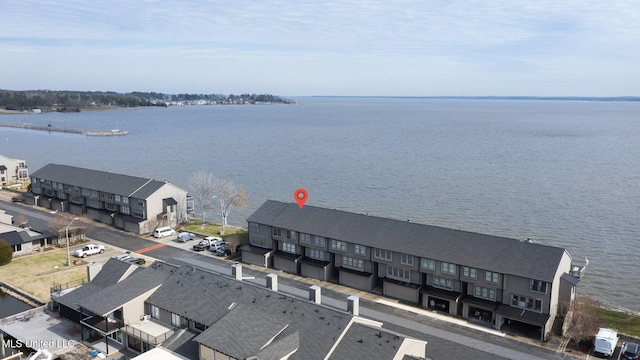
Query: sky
{"x": 342, "y": 48}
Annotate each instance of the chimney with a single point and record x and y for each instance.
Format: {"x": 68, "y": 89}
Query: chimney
{"x": 314, "y": 294}
{"x": 272, "y": 282}
{"x": 236, "y": 271}
{"x": 353, "y": 305}
{"x": 93, "y": 269}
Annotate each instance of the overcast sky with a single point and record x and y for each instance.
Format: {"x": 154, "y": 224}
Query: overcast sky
{"x": 324, "y": 47}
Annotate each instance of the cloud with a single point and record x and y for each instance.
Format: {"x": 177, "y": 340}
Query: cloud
{"x": 498, "y": 37}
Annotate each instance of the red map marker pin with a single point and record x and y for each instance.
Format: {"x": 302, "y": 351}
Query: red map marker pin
{"x": 301, "y": 196}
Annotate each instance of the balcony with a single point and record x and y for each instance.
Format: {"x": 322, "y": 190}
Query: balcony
{"x": 104, "y": 325}
{"x": 149, "y": 331}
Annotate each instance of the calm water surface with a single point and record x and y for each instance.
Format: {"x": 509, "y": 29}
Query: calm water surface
{"x": 564, "y": 173}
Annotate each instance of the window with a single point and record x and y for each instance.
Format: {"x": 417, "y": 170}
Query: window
{"x": 93, "y": 193}
{"x": 289, "y": 248}
{"x": 125, "y": 200}
{"x": 112, "y": 207}
{"x": 352, "y": 263}
{"x": 469, "y": 272}
{"x": 76, "y": 200}
{"x": 448, "y": 268}
{"x": 442, "y": 283}
{"x": 200, "y": 326}
{"x": 138, "y": 213}
{"x": 538, "y": 286}
{"x": 398, "y": 273}
{"x": 94, "y": 203}
{"x": 253, "y": 227}
{"x": 175, "y": 320}
{"x": 316, "y": 254}
{"x": 406, "y": 259}
{"x": 360, "y": 250}
{"x": 320, "y": 241}
{"x": 125, "y": 209}
{"x": 85, "y": 192}
{"x": 428, "y": 264}
{"x": 491, "y": 277}
{"x": 304, "y": 238}
{"x": 117, "y": 198}
{"x": 17, "y": 247}
{"x": 291, "y": 235}
{"x": 155, "y": 312}
{"x": 48, "y": 192}
{"x": 277, "y": 232}
{"x": 486, "y": 293}
{"x": 338, "y": 245}
{"x": 141, "y": 203}
{"x": 526, "y": 302}
{"x": 382, "y": 254}
{"x": 259, "y": 241}
{"x": 62, "y": 195}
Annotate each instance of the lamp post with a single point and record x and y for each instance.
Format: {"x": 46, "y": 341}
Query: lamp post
{"x": 66, "y": 230}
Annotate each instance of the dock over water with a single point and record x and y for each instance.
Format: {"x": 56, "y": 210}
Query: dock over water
{"x": 86, "y": 132}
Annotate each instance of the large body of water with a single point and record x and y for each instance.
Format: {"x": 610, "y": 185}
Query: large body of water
{"x": 565, "y": 173}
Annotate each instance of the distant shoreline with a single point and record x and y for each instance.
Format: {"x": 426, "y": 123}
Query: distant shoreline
{"x": 561, "y": 98}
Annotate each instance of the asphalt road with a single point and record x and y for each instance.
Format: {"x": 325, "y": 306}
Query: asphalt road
{"x": 445, "y": 340}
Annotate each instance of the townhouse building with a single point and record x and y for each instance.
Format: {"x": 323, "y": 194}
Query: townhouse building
{"x": 127, "y": 202}
{"x": 13, "y": 171}
{"x": 199, "y": 314}
{"x": 483, "y": 278}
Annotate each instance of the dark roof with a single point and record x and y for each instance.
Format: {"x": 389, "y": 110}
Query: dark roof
{"x": 181, "y": 342}
{"x": 2, "y": 167}
{"x": 366, "y": 342}
{"x": 518, "y": 314}
{"x": 573, "y": 280}
{"x": 233, "y": 309}
{"x": 125, "y": 185}
{"x": 112, "y": 271}
{"x": 14, "y": 237}
{"x": 110, "y": 298}
{"x": 529, "y": 260}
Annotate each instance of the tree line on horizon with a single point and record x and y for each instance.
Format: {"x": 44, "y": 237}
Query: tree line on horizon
{"x": 76, "y": 100}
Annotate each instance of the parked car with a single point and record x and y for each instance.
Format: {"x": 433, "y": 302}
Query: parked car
{"x": 206, "y": 243}
{"x": 87, "y": 250}
{"x": 217, "y": 245}
{"x": 186, "y": 236}
{"x": 606, "y": 341}
{"x": 223, "y": 250}
{"x": 163, "y": 231}
{"x": 126, "y": 255}
{"x": 630, "y": 351}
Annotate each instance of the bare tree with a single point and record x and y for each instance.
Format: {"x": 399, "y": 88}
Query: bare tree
{"x": 21, "y": 220}
{"x": 229, "y": 196}
{"x": 585, "y": 321}
{"x": 203, "y": 186}
{"x": 59, "y": 223}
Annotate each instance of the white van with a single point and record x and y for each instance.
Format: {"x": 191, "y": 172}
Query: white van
{"x": 606, "y": 341}
{"x": 163, "y": 231}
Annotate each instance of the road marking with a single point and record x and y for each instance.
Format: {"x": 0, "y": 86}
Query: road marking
{"x": 149, "y": 248}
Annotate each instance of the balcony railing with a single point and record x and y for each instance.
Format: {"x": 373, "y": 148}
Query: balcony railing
{"x": 146, "y": 337}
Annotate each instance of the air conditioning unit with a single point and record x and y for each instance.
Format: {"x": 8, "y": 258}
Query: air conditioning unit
{"x": 146, "y": 318}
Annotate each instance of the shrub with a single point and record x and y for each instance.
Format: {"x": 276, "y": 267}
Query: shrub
{"x": 6, "y": 252}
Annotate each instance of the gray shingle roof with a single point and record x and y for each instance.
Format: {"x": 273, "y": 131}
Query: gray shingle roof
{"x": 126, "y": 185}
{"x": 111, "y": 298}
{"x": 111, "y": 272}
{"x": 365, "y": 342}
{"x": 494, "y": 253}
{"x": 206, "y": 298}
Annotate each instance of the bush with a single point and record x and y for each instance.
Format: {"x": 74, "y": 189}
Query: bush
{"x": 6, "y": 253}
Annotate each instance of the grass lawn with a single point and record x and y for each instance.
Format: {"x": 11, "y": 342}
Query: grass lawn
{"x": 36, "y": 273}
{"x": 213, "y": 229}
{"x": 625, "y": 323}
